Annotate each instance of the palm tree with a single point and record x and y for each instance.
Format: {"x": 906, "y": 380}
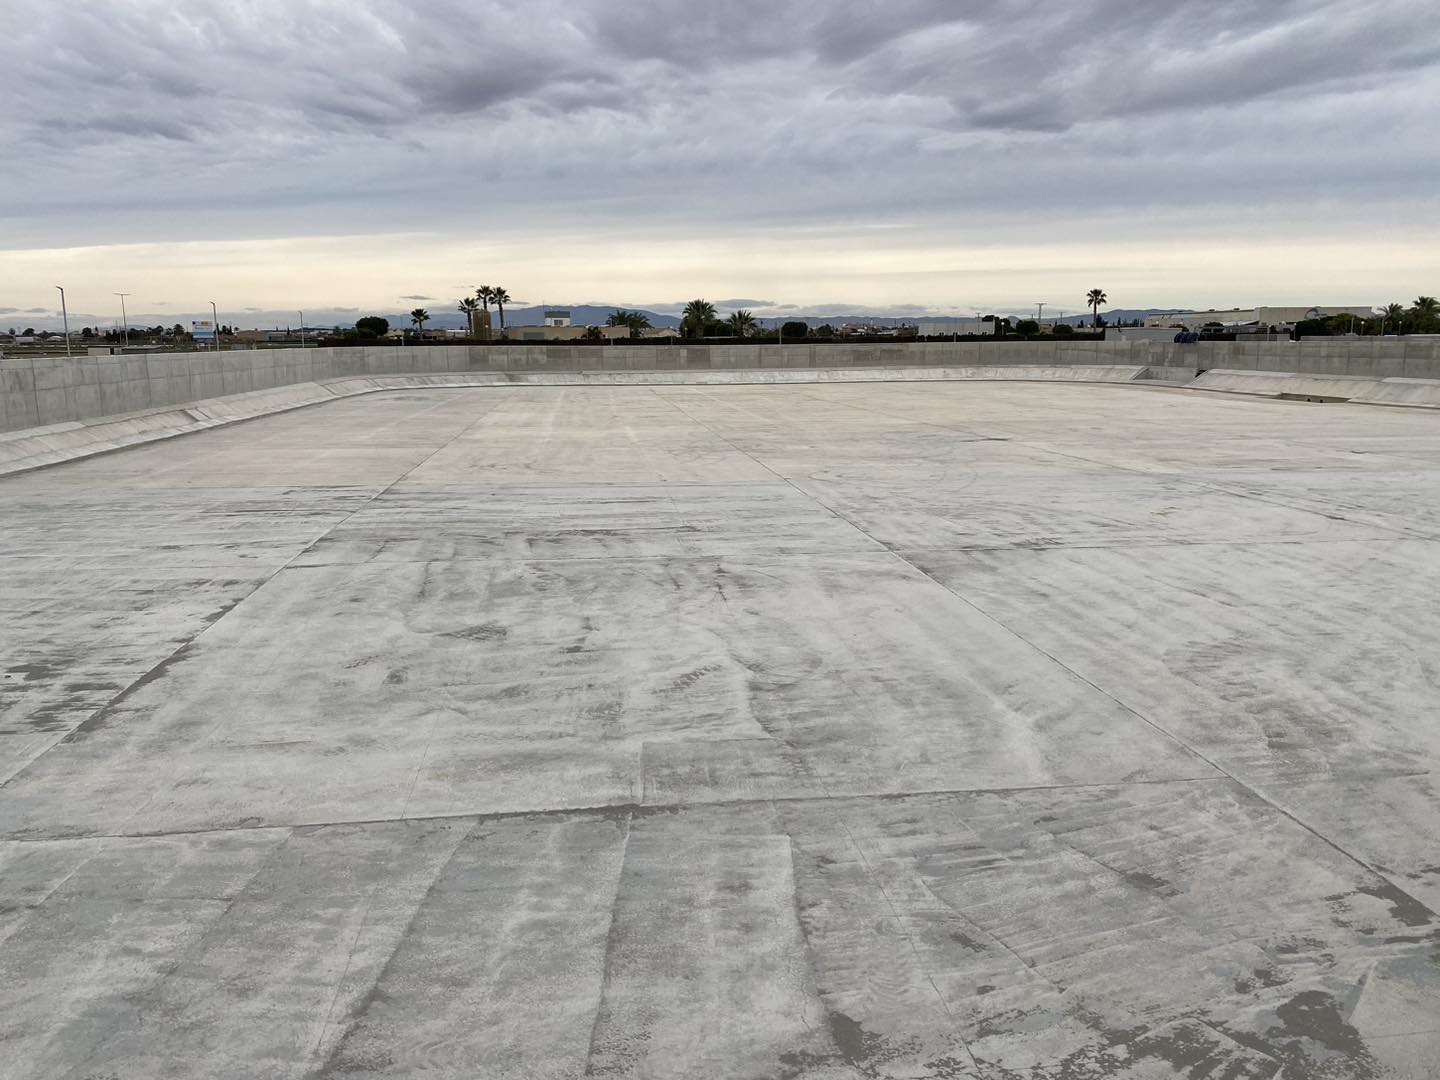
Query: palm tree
{"x": 484, "y": 293}
{"x": 1425, "y": 312}
{"x": 742, "y": 323}
{"x": 1395, "y": 315}
{"x": 501, "y": 298}
{"x": 635, "y": 320}
{"x": 698, "y": 315}
{"x": 468, "y": 307}
{"x": 419, "y": 317}
{"x": 1095, "y": 299}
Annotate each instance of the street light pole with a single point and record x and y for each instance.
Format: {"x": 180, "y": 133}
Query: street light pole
{"x": 302, "y": 329}
{"x": 65, "y": 315}
{"x": 124, "y": 320}
{"x": 215, "y": 326}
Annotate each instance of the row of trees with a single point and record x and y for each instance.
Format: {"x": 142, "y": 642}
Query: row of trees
{"x": 375, "y": 326}
{"x": 475, "y": 309}
{"x": 700, "y": 319}
{"x": 1420, "y": 317}
{"x": 115, "y": 334}
{"x": 88, "y": 333}
{"x": 479, "y": 304}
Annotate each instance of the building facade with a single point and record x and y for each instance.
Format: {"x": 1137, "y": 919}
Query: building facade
{"x": 1259, "y": 316}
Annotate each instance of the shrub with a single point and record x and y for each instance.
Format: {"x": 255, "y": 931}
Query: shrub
{"x": 372, "y": 326}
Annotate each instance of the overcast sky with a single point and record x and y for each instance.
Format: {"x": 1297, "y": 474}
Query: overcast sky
{"x": 947, "y": 154}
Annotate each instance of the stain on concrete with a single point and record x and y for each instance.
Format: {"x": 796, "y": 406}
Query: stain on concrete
{"x": 1142, "y": 880}
{"x": 483, "y": 632}
{"x": 1318, "y": 1041}
{"x": 1403, "y": 906}
{"x": 92, "y": 726}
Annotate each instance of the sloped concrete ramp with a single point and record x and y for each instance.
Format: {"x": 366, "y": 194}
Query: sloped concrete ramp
{"x": 1363, "y": 390}
{"x": 33, "y": 448}
{"x": 821, "y": 730}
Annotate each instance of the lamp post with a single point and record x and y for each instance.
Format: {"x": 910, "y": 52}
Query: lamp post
{"x": 124, "y": 320}
{"x": 65, "y": 315}
{"x": 215, "y": 326}
{"x": 302, "y": 329}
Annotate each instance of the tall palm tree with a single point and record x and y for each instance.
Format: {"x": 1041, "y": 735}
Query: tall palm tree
{"x": 468, "y": 307}
{"x": 484, "y": 293}
{"x": 1395, "y": 316}
{"x": 1095, "y": 299}
{"x": 419, "y": 317}
{"x": 742, "y": 323}
{"x": 501, "y": 298}
{"x": 1425, "y": 313}
{"x": 698, "y": 315}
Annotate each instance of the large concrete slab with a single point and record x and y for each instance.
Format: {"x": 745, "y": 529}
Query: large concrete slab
{"x": 951, "y": 730}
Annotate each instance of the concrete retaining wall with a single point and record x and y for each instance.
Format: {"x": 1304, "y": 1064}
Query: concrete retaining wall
{"x": 42, "y": 392}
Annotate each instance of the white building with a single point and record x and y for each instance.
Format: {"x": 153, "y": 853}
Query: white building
{"x": 1260, "y": 316}
{"x": 564, "y": 332}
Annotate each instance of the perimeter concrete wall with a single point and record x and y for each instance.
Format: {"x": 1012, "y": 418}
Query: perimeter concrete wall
{"x": 39, "y": 392}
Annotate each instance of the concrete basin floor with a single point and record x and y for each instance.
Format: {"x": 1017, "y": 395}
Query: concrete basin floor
{"x": 968, "y": 731}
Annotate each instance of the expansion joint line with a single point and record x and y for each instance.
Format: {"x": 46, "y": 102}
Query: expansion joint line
{"x": 150, "y": 673}
{"x": 612, "y": 931}
{"x": 1172, "y": 736}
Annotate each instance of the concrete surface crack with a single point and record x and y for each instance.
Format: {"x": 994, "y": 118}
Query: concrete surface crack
{"x": 608, "y": 960}
{"x": 326, "y": 1068}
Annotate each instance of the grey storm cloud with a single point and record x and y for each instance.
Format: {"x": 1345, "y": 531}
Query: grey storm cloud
{"x": 203, "y": 117}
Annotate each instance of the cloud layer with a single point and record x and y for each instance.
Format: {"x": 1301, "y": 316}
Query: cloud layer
{"x": 770, "y": 126}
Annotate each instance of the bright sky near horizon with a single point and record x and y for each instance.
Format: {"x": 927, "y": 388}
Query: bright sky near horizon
{"x": 917, "y": 156}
